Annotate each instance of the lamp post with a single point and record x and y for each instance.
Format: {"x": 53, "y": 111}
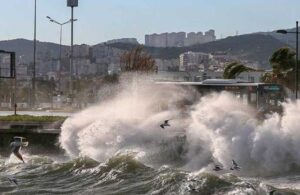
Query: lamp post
{"x": 297, "y": 53}
{"x": 60, "y": 44}
{"x": 34, "y": 59}
{"x": 72, "y": 4}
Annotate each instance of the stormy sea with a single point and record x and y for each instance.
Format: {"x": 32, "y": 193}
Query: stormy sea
{"x": 118, "y": 147}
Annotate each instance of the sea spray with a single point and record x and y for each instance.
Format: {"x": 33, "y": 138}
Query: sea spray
{"x": 217, "y": 129}
{"x": 225, "y": 129}
{"x": 129, "y": 120}
{"x": 217, "y": 121}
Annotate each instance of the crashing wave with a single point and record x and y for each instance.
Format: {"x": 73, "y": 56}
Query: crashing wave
{"x": 218, "y": 128}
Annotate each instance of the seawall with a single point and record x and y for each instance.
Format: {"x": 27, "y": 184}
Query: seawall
{"x": 42, "y": 136}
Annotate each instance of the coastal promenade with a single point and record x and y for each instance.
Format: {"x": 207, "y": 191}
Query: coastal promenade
{"x": 42, "y": 135}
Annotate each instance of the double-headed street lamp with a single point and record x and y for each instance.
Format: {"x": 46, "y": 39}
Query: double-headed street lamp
{"x": 297, "y": 43}
{"x": 60, "y": 42}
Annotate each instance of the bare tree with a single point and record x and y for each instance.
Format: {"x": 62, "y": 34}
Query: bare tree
{"x": 136, "y": 60}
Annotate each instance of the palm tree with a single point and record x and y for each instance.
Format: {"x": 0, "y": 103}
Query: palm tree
{"x": 283, "y": 64}
{"x": 234, "y": 69}
{"x": 283, "y": 59}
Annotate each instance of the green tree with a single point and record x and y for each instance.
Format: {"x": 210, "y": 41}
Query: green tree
{"x": 234, "y": 69}
{"x": 137, "y": 60}
{"x": 283, "y": 68}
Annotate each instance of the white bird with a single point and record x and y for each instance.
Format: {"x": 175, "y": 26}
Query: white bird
{"x": 16, "y": 144}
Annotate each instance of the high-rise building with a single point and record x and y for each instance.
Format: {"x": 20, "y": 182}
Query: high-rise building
{"x": 175, "y": 39}
{"x": 179, "y": 39}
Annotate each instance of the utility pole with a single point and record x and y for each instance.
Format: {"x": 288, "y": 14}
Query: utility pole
{"x": 13, "y": 59}
{"x": 72, "y": 4}
{"x": 71, "y": 53}
{"x": 297, "y": 53}
{"x": 34, "y": 59}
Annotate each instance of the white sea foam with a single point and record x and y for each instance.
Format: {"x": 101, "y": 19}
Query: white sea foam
{"x": 220, "y": 129}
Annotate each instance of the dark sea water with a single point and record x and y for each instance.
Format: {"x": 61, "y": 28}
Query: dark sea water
{"x": 123, "y": 174}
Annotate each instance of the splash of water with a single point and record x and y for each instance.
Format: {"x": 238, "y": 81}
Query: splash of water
{"x": 219, "y": 129}
{"x": 128, "y": 121}
{"x": 227, "y": 130}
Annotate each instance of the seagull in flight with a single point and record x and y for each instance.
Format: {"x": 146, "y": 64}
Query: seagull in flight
{"x": 235, "y": 166}
{"x": 13, "y": 180}
{"x": 217, "y": 168}
{"x": 165, "y": 124}
{"x": 16, "y": 144}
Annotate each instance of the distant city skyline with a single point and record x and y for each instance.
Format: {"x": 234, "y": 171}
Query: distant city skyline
{"x": 99, "y": 21}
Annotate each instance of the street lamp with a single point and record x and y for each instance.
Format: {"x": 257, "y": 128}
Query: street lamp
{"x": 60, "y": 42}
{"x": 34, "y": 58}
{"x": 296, "y": 68}
{"x": 72, "y": 4}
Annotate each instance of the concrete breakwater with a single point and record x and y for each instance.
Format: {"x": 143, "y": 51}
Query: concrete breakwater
{"x": 42, "y": 136}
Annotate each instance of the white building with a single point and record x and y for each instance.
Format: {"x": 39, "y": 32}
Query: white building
{"x": 179, "y": 39}
{"x": 193, "y": 61}
{"x": 156, "y": 40}
{"x": 175, "y": 39}
{"x": 198, "y": 38}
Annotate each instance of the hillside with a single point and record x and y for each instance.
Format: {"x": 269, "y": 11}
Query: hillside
{"x": 24, "y": 48}
{"x": 254, "y": 47}
{"x": 289, "y": 38}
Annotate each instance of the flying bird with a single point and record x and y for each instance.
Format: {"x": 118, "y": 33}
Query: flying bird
{"x": 165, "y": 124}
{"x": 217, "y": 168}
{"x": 13, "y": 180}
{"x": 16, "y": 144}
{"x": 234, "y": 166}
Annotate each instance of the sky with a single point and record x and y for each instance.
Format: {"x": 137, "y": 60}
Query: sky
{"x": 100, "y": 20}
